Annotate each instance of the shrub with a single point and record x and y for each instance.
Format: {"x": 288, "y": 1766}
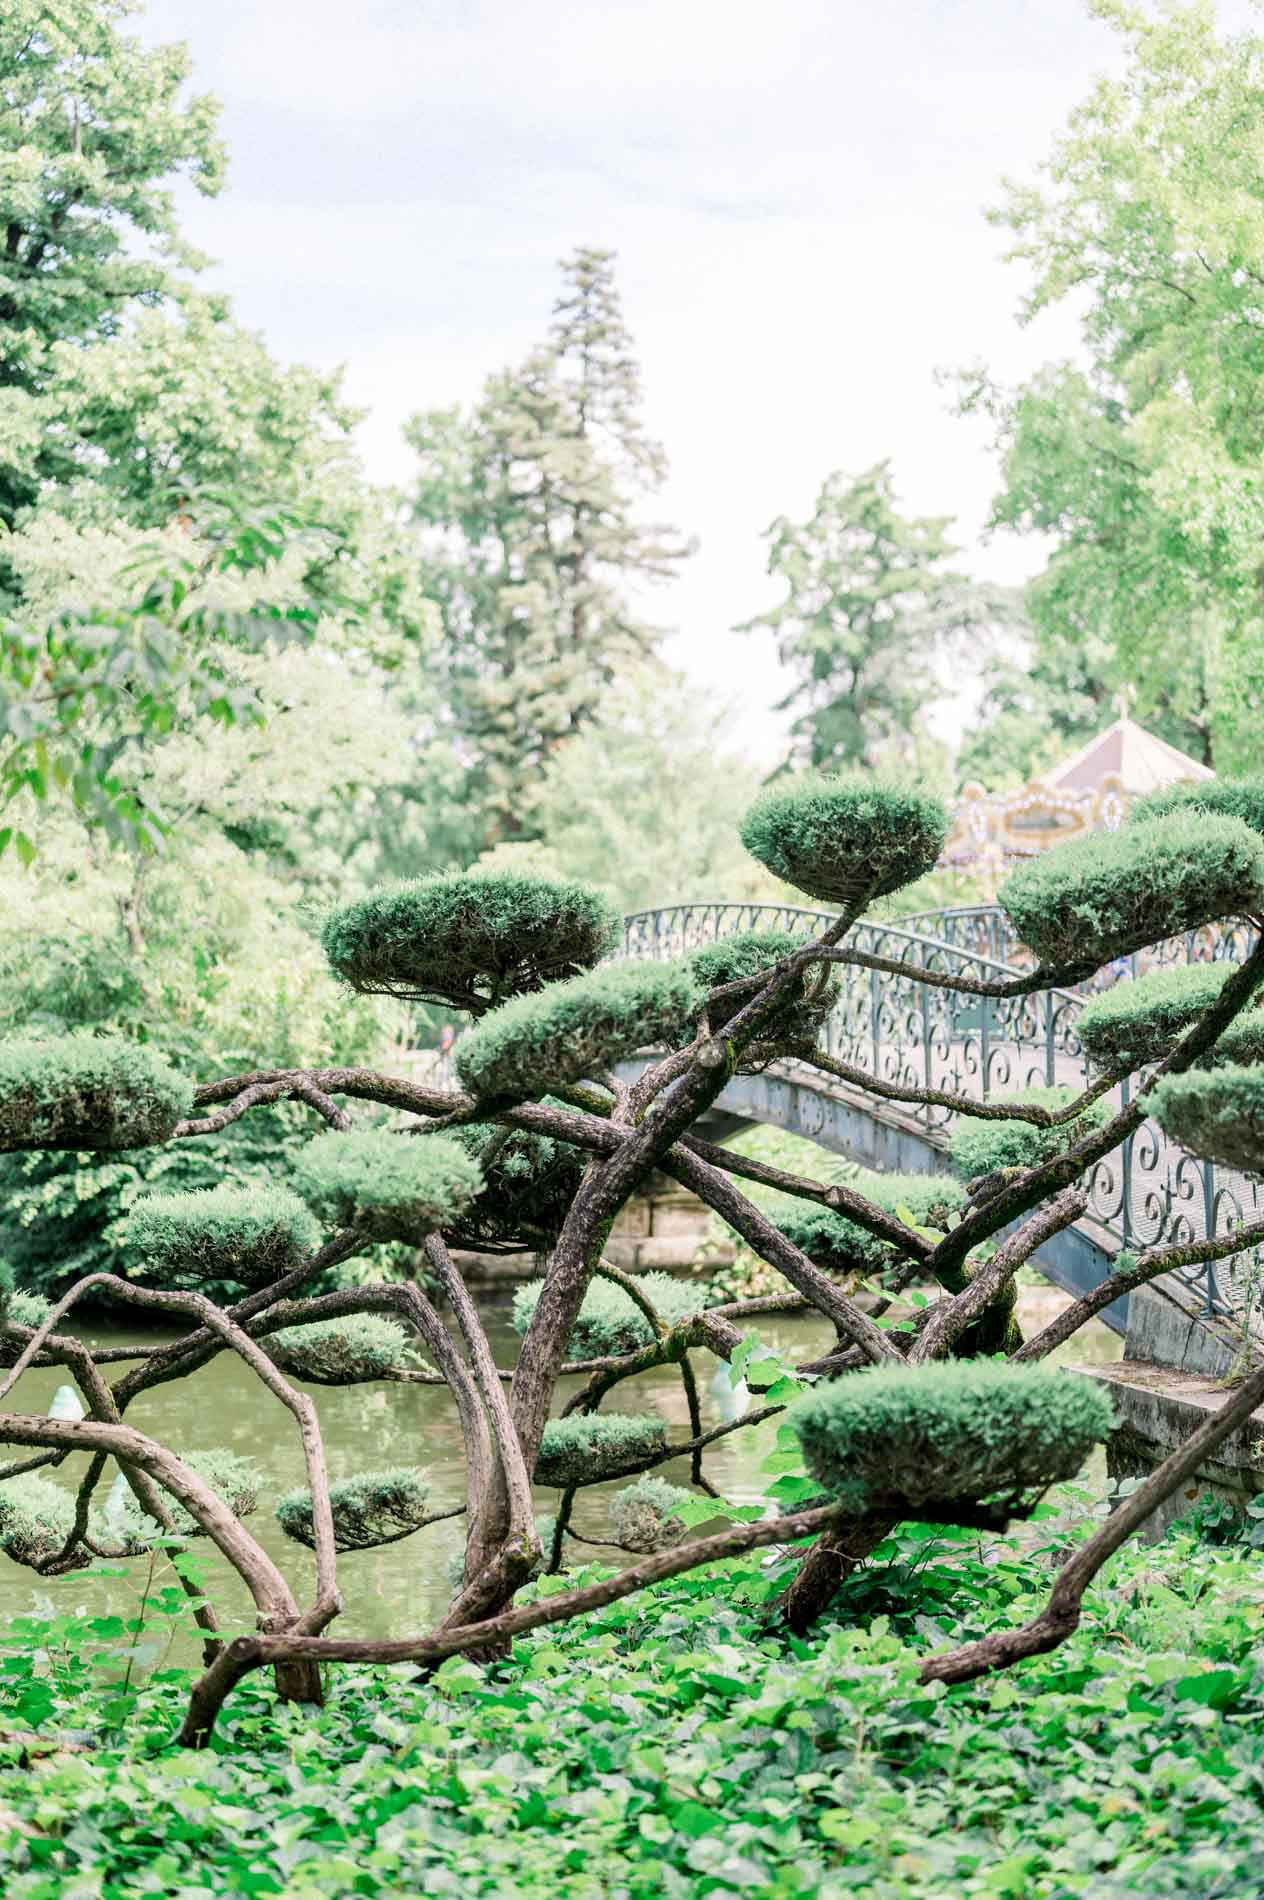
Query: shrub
{"x": 250, "y": 1235}
{"x": 1241, "y": 1043}
{"x": 846, "y": 839}
{"x": 87, "y": 1092}
{"x": 841, "y": 1246}
{"x": 959, "y": 1432}
{"x": 36, "y": 1517}
{"x": 595, "y": 1446}
{"x": 754, "y": 953}
{"x": 1217, "y": 1113}
{"x": 1082, "y": 904}
{"x": 1222, "y": 797}
{"x": 641, "y": 1514}
{"x": 18, "y": 1309}
{"x": 231, "y": 1477}
{"x": 378, "y": 1508}
{"x": 609, "y": 1321}
{"x": 469, "y": 940}
{"x": 339, "y": 1351}
{"x": 529, "y": 1182}
{"x": 1137, "y": 1022}
{"x": 977, "y": 1147}
{"x": 576, "y": 1029}
{"x": 391, "y": 1186}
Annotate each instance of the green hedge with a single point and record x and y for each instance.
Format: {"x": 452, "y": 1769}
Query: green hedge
{"x": 529, "y": 1182}
{"x": 1216, "y": 1113}
{"x": 597, "y": 1446}
{"x": 609, "y": 1321}
{"x": 232, "y": 1478}
{"x": 249, "y": 1235}
{"x": 1083, "y": 904}
{"x": 379, "y": 1507}
{"x": 1224, "y": 797}
{"x": 753, "y": 953}
{"x": 1137, "y": 1022}
{"x": 469, "y": 940}
{"x": 845, "y": 839}
{"x": 576, "y": 1029}
{"x": 86, "y": 1092}
{"x": 977, "y": 1147}
{"x": 390, "y": 1186}
{"x": 962, "y": 1431}
{"x": 347, "y": 1351}
{"x": 641, "y": 1514}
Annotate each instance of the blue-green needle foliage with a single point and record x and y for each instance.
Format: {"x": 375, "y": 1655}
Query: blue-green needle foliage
{"x": 1083, "y": 904}
{"x": 596, "y": 1446}
{"x": 1137, "y": 1022}
{"x": 841, "y": 1246}
{"x": 390, "y": 1186}
{"x": 20, "y": 1309}
{"x": 978, "y": 1147}
{"x": 1225, "y": 797}
{"x": 1217, "y": 1113}
{"x": 641, "y": 1515}
{"x": 251, "y": 1235}
{"x": 751, "y": 953}
{"x": 576, "y": 1029}
{"x": 36, "y": 1517}
{"x": 347, "y": 1351}
{"x": 529, "y": 1182}
{"x": 231, "y": 1477}
{"x": 846, "y": 839}
{"x": 472, "y": 940}
{"x": 87, "y": 1092}
{"x": 962, "y": 1431}
{"x": 379, "y": 1507}
{"x": 609, "y": 1321}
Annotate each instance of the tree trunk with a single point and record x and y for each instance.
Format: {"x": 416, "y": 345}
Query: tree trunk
{"x": 833, "y": 1556}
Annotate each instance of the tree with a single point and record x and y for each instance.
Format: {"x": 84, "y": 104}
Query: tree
{"x": 536, "y": 541}
{"x": 1142, "y": 461}
{"x": 870, "y": 609}
{"x": 543, "y": 1144}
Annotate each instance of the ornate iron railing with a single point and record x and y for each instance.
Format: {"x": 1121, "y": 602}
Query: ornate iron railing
{"x": 899, "y": 1029}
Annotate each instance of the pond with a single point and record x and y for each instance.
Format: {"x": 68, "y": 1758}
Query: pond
{"x": 404, "y": 1587}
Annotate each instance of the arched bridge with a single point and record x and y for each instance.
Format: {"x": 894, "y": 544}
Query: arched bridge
{"x": 900, "y": 1030}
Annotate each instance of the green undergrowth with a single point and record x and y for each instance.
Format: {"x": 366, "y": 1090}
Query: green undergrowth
{"x": 671, "y": 1746}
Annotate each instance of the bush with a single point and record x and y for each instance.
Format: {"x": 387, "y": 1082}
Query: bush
{"x": 232, "y": 1478}
{"x": 595, "y": 1446}
{"x": 841, "y": 1246}
{"x": 390, "y": 1186}
{"x": 378, "y": 1508}
{"x": 1241, "y": 1043}
{"x": 36, "y": 1517}
{"x": 1218, "y": 1114}
{"x": 86, "y": 1093}
{"x": 470, "y": 941}
{"x": 1137, "y": 1022}
{"x": 978, "y": 1147}
{"x": 641, "y": 1514}
{"x": 339, "y": 1351}
{"x": 846, "y": 839}
{"x": 19, "y": 1309}
{"x": 248, "y": 1235}
{"x": 529, "y": 1182}
{"x": 1222, "y": 797}
{"x": 576, "y": 1029}
{"x": 754, "y": 953}
{"x": 1083, "y": 904}
{"x": 959, "y": 1432}
{"x": 609, "y": 1321}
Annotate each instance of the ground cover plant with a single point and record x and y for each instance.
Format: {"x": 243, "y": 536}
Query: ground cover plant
{"x": 930, "y": 1406}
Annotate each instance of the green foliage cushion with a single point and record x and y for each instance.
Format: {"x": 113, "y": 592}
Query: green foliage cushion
{"x": 641, "y": 1514}
{"x": 609, "y": 1321}
{"x": 36, "y": 1517}
{"x": 753, "y": 953}
{"x": 472, "y": 940}
{"x": 1242, "y": 1042}
{"x": 845, "y": 839}
{"x": 1137, "y": 1022}
{"x": 592, "y": 1448}
{"x": 231, "y": 1477}
{"x": 1216, "y": 1113}
{"x": 529, "y": 1182}
{"x": 576, "y": 1029}
{"x": 87, "y": 1092}
{"x": 390, "y": 1186}
{"x": 1225, "y": 797}
{"x": 19, "y": 1309}
{"x": 961, "y": 1432}
{"x": 249, "y": 1235}
{"x": 378, "y": 1507}
{"x": 347, "y": 1351}
{"x": 1082, "y": 904}
{"x": 841, "y": 1246}
{"x": 977, "y": 1147}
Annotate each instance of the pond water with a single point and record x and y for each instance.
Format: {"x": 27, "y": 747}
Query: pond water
{"x": 404, "y": 1587}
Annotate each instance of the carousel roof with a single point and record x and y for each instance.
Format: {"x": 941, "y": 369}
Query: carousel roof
{"x": 1127, "y": 752}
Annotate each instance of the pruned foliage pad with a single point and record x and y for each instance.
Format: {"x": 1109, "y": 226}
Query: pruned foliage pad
{"x": 17, "y": 1309}
{"x": 939, "y": 1435}
{"x": 609, "y": 1321}
{"x": 1137, "y": 1022}
{"x": 251, "y": 1235}
{"x": 1216, "y": 1113}
{"x": 755, "y": 953}
{"x": 380, "y": 1507}
{"x": 577, "y": 1029}
{"x": 846, "y": 839}
{"x": 390, "y": 1186}
{"x": 232, "y": 1478}
{"x": 641, "y": 1514}
{"x": 470, "y": 941}
{"x": 36, "y": 1517}
{"x": 593, "y": 1447}
{"x": 85, "y": 1092}
{"x": 340, "y": 1351}
{"x": 1082, "y": 904}
{"x": 529, "y": 1182}
{"x": 1223, "y": 797}
{"x": 979, "y": 1147}
{"x": 841, "y": 1246}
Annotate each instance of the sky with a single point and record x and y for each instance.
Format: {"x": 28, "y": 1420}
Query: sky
{"x": 795, "y": 193}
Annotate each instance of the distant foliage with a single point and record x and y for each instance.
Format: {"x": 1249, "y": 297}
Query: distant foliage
{"x": 87, "y": 1092}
